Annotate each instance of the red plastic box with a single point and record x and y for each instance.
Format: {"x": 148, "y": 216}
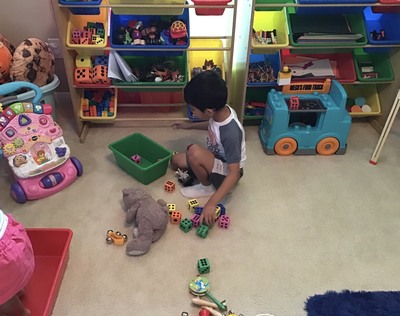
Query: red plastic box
{"x": 344, "y": 71}
{"x": 51, "y": 248}
{"x": 210, "y": 11}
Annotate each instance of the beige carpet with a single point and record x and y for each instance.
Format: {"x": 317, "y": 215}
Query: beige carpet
{"x": 299, "y": 225}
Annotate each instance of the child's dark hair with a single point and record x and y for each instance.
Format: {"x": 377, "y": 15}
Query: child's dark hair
{"x": 207, "y": 90}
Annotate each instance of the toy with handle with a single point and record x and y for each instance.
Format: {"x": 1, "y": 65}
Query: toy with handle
{"x": 14, "y": 86}
{"x": 201, "y": 286}
{"x": 34, "y": 146}
{"x": 201, "y": 302}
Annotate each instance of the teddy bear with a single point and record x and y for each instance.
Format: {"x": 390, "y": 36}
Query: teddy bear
{"x": 150, "y": 217}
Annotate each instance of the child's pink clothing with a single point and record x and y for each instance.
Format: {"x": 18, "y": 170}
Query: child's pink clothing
{"x": 17, "y": 261}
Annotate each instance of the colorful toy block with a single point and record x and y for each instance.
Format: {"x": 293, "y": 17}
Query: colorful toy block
{"x": 101, "y": 60}
{"x": 100, "y": 75}
{"x": 195, "y": 220}
{"x": 294, "y": 102}
{"x": 217, "y": 212}
{"x": 224, "y": 221}
{"x": 169, "y": 186}
{"x": 186, "y": 225}
{"x": 136, "y": 158}
{"x": 202, "y": 231}
{"x": 83, "y": 61}
{"x": 175, "y": 217}
{"x": 203, "y": 265}
{"x": 198, "y": 210}
{"x": 192, "y": 204}
{"x": 171, "y": 208}
{"x": 223, "y": 209}
{"x": 83, "y": 75}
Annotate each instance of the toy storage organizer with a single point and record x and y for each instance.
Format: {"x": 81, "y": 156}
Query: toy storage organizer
{"x": 352, "y": 63}
{"x": 146, "y": 99}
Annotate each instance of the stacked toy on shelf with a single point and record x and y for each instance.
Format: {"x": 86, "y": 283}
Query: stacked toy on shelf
{"x": 91, "y": 71}
{"x": 99, "y": 104}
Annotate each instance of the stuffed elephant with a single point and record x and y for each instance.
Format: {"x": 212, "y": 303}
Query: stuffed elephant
{"x": 150, "y": 216}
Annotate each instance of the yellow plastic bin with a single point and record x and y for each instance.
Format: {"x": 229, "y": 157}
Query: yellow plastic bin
{"x": 268, "y": 21}
{"x": 367, "y": 92}
{"x": 109, "y": 104}
{"x": 79, "y": 22}
{"x": 148, "y": 10}
{"x": 197, "y": 58}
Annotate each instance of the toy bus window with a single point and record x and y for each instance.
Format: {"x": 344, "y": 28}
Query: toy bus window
{"x": 303, "y": 118}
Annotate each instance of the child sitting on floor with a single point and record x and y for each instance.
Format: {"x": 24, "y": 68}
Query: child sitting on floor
{"x": 219, "y": 166}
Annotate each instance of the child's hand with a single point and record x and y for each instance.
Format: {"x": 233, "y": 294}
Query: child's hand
{"x": 181, "y": 125}
{"x": 208, "y": 215}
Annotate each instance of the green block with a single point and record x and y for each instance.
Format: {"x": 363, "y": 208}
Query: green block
{"x": 91, "y": 25}
{"x": 202, "y": 231}
{"x": 186, "y": 225}
{"x": 203, "y": 265}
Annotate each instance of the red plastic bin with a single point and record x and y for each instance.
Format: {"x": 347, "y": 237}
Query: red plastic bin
{"x": 51, "y": 248}
{"x": 210, "y": 11}
{"x": 388, "y": 9}
{"x": 344, "y": 71}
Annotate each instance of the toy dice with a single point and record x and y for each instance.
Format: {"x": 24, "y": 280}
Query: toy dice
{"x": 198, "y": 210}
{"x": 101, "y": 60}
{"x": 192, "y": 204}
{"x": 202, "y": 231}
{"x": 186, "y": 225}
{"x": 171, "y": 208}
{"x": 203, "y": 266}
{"x": 83, "y": 75}
{"x": 169, "y": 186}
{"x": 175, "y": 217}
{"x": 195, "y": 220}
{"x": 136, "y": 158}
{"x": 100, "y": 75}
{"x": 222, "y": 207}
{"x": 224, "y": 221}
{"x": 83, "y": 61}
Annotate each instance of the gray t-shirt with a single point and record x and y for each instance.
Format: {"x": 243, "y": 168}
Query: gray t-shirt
{"x": 227, "y": 139}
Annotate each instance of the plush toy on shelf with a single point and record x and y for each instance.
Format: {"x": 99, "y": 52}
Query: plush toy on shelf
{"x": 33, "y": 61}
{"x": 150, "y": 216}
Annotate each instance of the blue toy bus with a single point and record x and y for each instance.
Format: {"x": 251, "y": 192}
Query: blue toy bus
{"x": 306, "y": 119}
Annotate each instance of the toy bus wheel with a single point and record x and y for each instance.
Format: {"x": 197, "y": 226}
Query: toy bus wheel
{"x": 327, "y": 146}
{"x": 285, "y": 146}
{"x": 78, "y": 165}
{"x": 18, "y": 193}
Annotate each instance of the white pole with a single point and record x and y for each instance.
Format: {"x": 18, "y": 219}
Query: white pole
{"x": 386, "y": 129}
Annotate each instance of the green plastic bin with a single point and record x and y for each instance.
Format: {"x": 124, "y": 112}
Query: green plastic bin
{"x": 380, "y": 63}
{"x": 262, "y": 2}
{"x": 154, "y": 157}
{"x": 356, "y": 22}
{"x": 143, "y": 64}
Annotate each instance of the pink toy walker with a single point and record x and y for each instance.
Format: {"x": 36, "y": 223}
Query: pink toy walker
{"x": 34, "y": 146}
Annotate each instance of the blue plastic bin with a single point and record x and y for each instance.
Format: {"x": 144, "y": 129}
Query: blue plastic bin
{"x": 273, "y": 59}
{"x": 389, "y": 22}
{"x": 89, "y": 8}
{"x": 122, "y": 20}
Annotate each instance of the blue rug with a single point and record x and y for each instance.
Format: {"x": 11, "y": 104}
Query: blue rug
{"x": 349, "y": 303}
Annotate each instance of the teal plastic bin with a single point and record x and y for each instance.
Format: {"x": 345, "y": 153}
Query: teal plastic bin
{"x": 47, "y": 97}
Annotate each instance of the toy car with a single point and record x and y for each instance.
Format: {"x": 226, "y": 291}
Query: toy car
{"x": 34, "y": 147}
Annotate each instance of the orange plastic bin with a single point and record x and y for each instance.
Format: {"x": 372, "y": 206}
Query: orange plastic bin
{"x": 51, "y": 248}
